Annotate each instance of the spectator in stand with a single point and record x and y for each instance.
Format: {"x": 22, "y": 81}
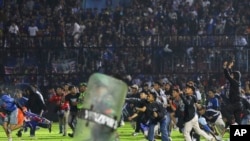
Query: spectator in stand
{"x": 33, "y": 32}
{"x": 13, "y": 34}
{"x": 77, "y": 32}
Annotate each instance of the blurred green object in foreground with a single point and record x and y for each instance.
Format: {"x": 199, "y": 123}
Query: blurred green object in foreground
{"x": 102, "y": 108}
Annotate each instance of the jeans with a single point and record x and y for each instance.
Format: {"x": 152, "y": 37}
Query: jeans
{"x": 245, "y": 120}
{"x": 164, "y": 128}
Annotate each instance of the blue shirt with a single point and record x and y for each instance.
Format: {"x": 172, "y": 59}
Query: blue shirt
{"x": 7, "y": 103}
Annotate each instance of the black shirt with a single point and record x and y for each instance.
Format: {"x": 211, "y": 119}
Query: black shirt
{"x": 189, "y": 109}
{"x": 72, "y": 98}
{"x": 155, "y": 107}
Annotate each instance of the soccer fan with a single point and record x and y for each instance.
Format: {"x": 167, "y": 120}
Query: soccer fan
{"x": 157, "y": 114}
{"x": 62, "y": 109}
{"x": 214, "y": 118}
{"x": 72, "y": 99}
{"x": 11, "y": 117}
{"x": 190, "y": 113}
{"x": 235, "y": 105}
{"x": 31, "y": 120}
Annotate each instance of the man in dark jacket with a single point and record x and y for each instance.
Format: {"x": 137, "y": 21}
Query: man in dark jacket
{"x": 190, "y": 114}
{"x": 235, "y": 106}
{"x": 156, "y": 114}
{"x": 35, "y": 104}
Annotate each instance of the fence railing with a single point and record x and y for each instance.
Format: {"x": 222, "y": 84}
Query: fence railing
{"x": 25, "y": 58}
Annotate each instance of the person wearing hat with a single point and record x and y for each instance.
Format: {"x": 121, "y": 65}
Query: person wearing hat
{"x": 129, "y": 107}
{"x": 190, "y": 114}
{"x": 157, "y": 114}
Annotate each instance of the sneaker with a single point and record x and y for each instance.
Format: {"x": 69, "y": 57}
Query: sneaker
{"x": 212, "y": 139}
{"x": 135, "y": 134}
{"x": 122, "y": 123}
{"x": 19, "y": 133}
{"x": 50, "y": 126}
{"x": 70, "y": 135}
{"x": 9, "y": 139}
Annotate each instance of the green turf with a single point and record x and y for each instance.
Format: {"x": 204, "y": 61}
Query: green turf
{"x": 124, "y": 133}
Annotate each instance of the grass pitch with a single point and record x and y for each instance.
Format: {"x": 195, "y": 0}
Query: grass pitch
{"x": 125, "y": 134}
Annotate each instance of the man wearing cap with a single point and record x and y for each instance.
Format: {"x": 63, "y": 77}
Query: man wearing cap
{"x": 190, "y": 114}
{"x": 130, "y": 107}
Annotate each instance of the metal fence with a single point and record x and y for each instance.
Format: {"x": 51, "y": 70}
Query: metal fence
{"x": 25, "y": 58}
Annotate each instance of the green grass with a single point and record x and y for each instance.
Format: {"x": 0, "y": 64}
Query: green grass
{"x": 124, "y": 133}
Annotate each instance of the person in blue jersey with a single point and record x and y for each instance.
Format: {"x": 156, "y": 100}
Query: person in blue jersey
{"x": 214, "y": 118}
{"x": 9, "y": 111}
{"x": 212, "y": 101}
{"x": 32, "y": 120}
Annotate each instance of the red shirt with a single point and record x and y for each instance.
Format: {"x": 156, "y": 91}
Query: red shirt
{"x": 59, "y": 101}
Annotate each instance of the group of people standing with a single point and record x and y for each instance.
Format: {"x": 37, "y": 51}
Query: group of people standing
{"x": 68, "y": 100}
{"x": 169, "y": 105}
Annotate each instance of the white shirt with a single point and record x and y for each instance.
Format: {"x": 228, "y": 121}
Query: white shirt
{"x": 76, "y": 28}
{"x": 13, "y": 29}
{"x": 32, "y": 30}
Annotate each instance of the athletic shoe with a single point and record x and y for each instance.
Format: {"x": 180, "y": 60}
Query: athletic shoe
{"x": 135, "y": 134}
{"x": 70, "y": 135}
{"x": 50, "y": 126}
{"x": 19, "y": 133}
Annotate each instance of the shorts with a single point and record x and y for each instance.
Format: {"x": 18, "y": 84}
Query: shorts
{"x": 11, "y": 118}
{"x": 20, "y": 117}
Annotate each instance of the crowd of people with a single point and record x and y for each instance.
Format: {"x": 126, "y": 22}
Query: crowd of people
{"x": 184, "y": 106}
{"x": 50, "y": 43}
{"x": 161, "y": 36}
